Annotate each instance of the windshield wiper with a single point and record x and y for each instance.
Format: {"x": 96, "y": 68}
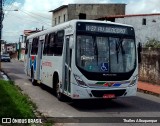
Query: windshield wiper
{"x": 118, "y": 47}
{"x": 96, "y": 50}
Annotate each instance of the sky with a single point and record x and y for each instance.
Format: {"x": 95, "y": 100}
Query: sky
{"x": 34, "y": 14}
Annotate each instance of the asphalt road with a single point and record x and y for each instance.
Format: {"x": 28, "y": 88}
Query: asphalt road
{"x": 142, "y": 105}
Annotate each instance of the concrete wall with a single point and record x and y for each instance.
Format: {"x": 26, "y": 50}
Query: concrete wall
{"x": 149, "y": 69}
{"x": 60, "y": 13}
{"x": 92, "y": 11}
{"x": 143, "y": 32}
{"x": 14, "y": 55}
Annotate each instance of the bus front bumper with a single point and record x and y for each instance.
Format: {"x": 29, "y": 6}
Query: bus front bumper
{"x": 79, "y": 92}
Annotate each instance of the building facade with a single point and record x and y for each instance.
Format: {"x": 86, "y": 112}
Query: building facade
{"x": 85, "y": 11}
{"x": 146, "y": 26}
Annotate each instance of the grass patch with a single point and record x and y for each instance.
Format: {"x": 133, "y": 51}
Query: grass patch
{"x": 13, "y": 104}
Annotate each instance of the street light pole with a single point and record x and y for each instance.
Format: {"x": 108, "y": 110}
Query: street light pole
{"x": 19, "y": 50}
{"x": 1, "y": 19}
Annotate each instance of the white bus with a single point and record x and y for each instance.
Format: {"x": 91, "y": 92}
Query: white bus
{"x": 84, "y": 59}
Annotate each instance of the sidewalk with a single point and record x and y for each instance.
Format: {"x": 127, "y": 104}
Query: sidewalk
{"x": 149, "y": 88}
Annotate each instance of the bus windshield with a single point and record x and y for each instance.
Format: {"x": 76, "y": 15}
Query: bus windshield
{"x": 105, "y": 54}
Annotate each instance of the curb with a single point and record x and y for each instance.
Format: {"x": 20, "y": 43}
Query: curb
{"x": 2, "y": 71}
{"x": 148, "y": 92}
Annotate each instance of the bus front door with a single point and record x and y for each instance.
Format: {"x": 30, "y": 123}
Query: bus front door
{"x": 67, "y": 66}
{"x": 39, "y": 59}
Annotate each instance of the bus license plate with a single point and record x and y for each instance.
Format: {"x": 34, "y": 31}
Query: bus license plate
{"x": 109, "y": 96}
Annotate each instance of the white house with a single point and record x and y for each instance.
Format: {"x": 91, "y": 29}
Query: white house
{"x": 147, "y": 26}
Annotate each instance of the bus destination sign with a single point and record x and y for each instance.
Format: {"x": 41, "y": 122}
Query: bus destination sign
{"x": 106, "y": 29}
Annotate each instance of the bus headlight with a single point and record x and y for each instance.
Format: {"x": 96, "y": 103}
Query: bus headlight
{"x": 133, "y": 81}
{"x": 80, "y": 81}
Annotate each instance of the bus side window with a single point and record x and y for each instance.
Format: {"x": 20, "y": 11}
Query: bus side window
{"x": 45, "y": 45}
{"x": 51, "y": 44}
{"x": 59, "y": 40}
{"x": 34, "y": 46}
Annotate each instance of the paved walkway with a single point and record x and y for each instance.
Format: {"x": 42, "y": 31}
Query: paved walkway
{"x": 152, "y": 88}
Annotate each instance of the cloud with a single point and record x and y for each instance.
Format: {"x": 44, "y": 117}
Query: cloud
{"x": 40, "y": 5}
{"x": 34, "y": 14}
{"x": 65, "y": 2}
{"x": 30, "y": 15}
{"x": 143, "y": 7}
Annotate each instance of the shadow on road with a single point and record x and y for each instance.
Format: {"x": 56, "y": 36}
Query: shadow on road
{"x": 126, "y": 104}
{"x": 132, "y": 104}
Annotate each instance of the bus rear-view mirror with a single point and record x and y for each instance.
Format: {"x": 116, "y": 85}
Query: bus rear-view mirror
{"x": 71, "y": 42}
{"x": 139, "y": 52}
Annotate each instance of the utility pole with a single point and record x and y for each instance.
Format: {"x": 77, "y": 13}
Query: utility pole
{"x": 19, "y": 49}
{"x": 1, "y": 19}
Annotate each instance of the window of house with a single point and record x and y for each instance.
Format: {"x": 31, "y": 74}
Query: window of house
{"x": 64, "y": 16}
{"x": 59, "y": 19}
{"x": 34, "y": 46}
{"x": 154, "y": 20}
{"x": 144, "y": 21}
{"x": 55, "y": 21}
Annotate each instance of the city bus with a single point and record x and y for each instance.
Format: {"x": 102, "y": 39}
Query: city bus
{"x": 84, "y": 59}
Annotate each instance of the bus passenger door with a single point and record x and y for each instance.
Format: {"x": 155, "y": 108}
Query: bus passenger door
{"x": 39, "y": 57}
{"x": 28, "y": 58}
{"x": 67, "y": 66}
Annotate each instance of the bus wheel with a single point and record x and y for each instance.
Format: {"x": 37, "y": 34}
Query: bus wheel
{"x": 34, "y": 82}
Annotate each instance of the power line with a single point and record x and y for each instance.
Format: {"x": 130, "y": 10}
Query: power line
{"x": 9, "y": 6}
{"x": 35, "y": 14}
{"x": 1, "y": 19}
{"x": 28, "y": 20}
{"x": 41, "y": 21}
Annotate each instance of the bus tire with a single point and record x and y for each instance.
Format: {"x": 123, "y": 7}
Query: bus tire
{"x": 54, "y": 81}
{"x": 34, "y": 82}
{"x": 56, "y": 87}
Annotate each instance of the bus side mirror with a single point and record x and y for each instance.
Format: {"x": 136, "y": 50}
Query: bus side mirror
{"x": 71, "y": 42}
{"x": 139, "y": 52}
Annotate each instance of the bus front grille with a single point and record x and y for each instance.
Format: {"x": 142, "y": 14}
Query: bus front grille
{"x": 100, "y": 93}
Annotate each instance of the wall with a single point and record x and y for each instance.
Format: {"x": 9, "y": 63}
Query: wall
{"x": 149, "y": 69}
{"x": 94, "y": 11}
{"x": 143, "y": 32}
{"x": 14, "y": 55}
{"x": 60, "y": 13}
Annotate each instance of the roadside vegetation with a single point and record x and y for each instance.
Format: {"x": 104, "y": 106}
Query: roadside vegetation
{"x": 13, "y": 104}
{"x": 153, "y": 43}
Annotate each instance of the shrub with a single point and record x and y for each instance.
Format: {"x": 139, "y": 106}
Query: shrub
{"x": 153, "y": 43}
